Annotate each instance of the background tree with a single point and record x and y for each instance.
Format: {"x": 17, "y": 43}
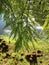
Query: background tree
{"x": 20, "y": 15}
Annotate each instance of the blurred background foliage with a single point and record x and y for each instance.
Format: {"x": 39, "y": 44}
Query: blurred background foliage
{"x": 22, "y": 16}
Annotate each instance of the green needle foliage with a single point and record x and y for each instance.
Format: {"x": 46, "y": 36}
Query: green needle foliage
{"x": 20, "y": 14}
